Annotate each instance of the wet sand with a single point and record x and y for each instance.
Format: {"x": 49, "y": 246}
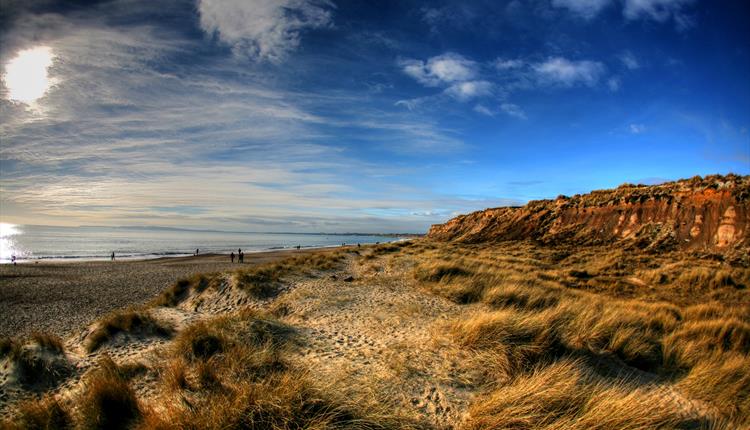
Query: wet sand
{"x": 64, "y": 297}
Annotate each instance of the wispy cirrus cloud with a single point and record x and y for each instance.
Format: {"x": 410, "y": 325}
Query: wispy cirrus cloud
{"x": 637, "y": 128}
{"x": 513, "y": 110}
{"x": 657, "y": 10}
{"x": 584, "y": 8}
{"x": 650, "y": 10}
{"x": 143, "y": 119}
{"x": 510, "y": 109}
{"x": 629, "y": 60}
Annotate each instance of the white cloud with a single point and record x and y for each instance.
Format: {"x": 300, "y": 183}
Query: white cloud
{"x": 660, "y": 11}
{"x": 637, "y": 128}
{"x": 442, "y": 69}
{"x": 656, "y": 10}
{"x": 563, "y": 72}
{"x": 584, "y": 8}
{"x": 629, "y": 60}
{"x": 262, "y": 29}
{"x": 468, "y": 90}
{"x": 505, "y": 64}
{"x": 614, "y": 83}
{"x": 513, "y": 110}
{"x": 484, "y": 110}
{"x": 120, "y": 135}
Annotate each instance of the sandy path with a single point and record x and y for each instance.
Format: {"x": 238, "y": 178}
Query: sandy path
{"x": 378, "y": 331}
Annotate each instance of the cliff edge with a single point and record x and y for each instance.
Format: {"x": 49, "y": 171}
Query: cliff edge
{"x": 711, "y": 213}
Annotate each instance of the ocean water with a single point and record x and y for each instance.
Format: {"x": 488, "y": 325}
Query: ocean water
{"x": 97, "y": 243}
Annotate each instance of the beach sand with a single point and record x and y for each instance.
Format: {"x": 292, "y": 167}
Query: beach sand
{"x": 63, "y": 297}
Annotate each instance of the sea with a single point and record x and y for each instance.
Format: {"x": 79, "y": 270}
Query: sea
{"x": 31, "y": 242}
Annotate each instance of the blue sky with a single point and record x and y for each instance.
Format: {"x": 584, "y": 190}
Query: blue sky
{"x": 307, "y": 115}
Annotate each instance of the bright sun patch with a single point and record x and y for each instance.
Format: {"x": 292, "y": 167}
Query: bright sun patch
{"x": 26, "y": 74}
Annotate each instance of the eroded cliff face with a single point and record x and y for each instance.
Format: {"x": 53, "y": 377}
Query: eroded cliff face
{"x": 699, "y": 213}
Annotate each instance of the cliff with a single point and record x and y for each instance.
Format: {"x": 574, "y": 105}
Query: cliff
{"x": 711, "y": 213}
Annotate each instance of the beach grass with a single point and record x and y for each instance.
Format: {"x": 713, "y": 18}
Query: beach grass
{"x": 133, "y": 321}
{"x": 551, "y": 338}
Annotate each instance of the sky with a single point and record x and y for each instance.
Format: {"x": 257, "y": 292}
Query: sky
{"x": 343, "y": 116}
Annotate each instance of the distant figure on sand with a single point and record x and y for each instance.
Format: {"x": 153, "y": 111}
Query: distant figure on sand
{"x": 113, "y": 256}
{"x": 231, "y": 256}
{"x": 298, "y": 247}
{"x": 197, "y": 251}
{"x": 13, "y": 259}
{"x": 242, "y": 257}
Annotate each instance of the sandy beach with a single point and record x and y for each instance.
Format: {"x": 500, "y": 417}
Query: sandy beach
{"x": 63, "y": 297}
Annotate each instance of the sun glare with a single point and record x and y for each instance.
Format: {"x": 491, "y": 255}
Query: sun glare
{"x": 26, "y": 75}
{"x": 7, "y": 242}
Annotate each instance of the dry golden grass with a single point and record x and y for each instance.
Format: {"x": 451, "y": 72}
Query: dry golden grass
{"x": 565, "y": 395}
{"x": 179, "y": 291}
{"x": 43, "y": 414}
{"x": 232, "y": 373}
{"x": 228, "y": 372}
{"x": 39, "y": 362}
{"x": 259, "y": 281}
{"x": 108, "y": 401}
{"x": 133, "y": 321}
{"x": 48, "y": 342}
{"x": 555, "y": 338}
{"x": 552, "y": 315}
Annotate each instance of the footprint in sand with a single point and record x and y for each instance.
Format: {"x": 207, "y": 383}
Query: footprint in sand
{"x": 432, "y": 402}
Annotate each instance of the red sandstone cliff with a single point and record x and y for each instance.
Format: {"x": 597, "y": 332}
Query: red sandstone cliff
{"x": 699, "y": 213}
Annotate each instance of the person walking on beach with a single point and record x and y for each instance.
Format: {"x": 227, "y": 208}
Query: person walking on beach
{"x": 242, "y": 257}
{"x": 113, "y": 256}
{"x": 197, "y": 251}
{"x": 231, "y": 256}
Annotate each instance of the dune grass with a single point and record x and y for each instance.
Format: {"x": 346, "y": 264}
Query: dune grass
{"x": 228, "y": 372}
{"x": 38, "y": 362}
{"x": 132, "y": 321}
{"x": 260, "y": 281}
{"x": 233, "y": 373}
{"x": 566, "y": 395}
{"x": 108, "y": 401}
{"x": 562, "y": 338}
{"x": 45, "y": 413}
{"x": 547, "y": 313}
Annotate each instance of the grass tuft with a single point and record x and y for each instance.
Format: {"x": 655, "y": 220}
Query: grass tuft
{"x": 108, "y": 401}
{"x": 43, "y": 414}
{"x": 134, "y": 321}
{"x": 565, "y": 395}
{"x": 39, "y": 363}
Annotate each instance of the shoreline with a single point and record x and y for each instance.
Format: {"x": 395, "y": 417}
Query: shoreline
{"x": 152, "y": 257}
{"x": 64, "y": 297}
